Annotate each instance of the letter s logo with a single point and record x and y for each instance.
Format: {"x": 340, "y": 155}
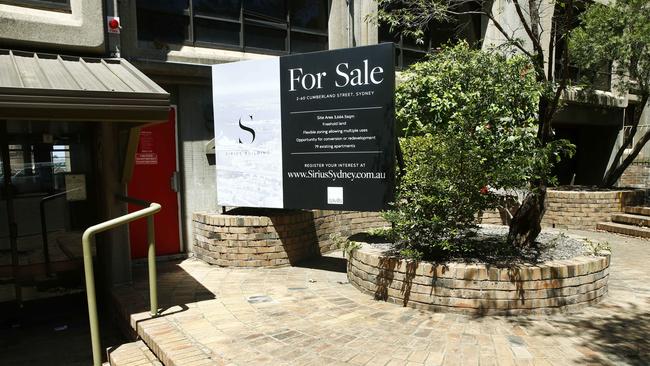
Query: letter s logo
{"x": 247, "y": 129}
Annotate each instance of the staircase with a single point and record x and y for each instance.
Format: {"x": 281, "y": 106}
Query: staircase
{"x": 131, "y": 354}
{"x": 635, "y": 221}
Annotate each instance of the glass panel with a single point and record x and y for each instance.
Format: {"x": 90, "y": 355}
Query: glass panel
{"x": 61, "y": 159}
{"x": 274, "y": 9}
{"x": 309, "y": 14}
{"x": 167, "y": 6}
{"x": 216, "y": 32}
{"x": 302, "y": 42}
{"x": 154, "y": 26}
{"x": 41, "y": 4}
{"x": 221, "y": 8}
{"x": 266, "y": 38}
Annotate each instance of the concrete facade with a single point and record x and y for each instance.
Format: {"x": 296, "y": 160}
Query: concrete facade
{"x": 81, "y": 30}
{"x": 183, "y": 70}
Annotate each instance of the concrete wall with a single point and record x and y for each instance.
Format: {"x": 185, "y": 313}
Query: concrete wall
{"x": 198, "y": 174}
{"x": 80, "y": 30}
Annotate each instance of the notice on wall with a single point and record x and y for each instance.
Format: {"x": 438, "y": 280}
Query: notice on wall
{"x": 307, "y": 131}
{"x": 75, "y": 186}
{"x": 146, "y": 154}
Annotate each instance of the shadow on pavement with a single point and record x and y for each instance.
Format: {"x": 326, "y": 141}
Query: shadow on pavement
{"x": 325, "y": 263}
{"x": 52, "y": 331}
{"x": 621, "y": 337}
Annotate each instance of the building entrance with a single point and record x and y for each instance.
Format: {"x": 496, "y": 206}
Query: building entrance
{"x": 45, "y": 204}
{"x": 155, "y": 179}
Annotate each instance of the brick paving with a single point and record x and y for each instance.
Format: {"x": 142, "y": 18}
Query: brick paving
{"x": 311, "y": 315}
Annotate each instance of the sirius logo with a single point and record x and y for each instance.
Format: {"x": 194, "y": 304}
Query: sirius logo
{"x": 247, "y": 129}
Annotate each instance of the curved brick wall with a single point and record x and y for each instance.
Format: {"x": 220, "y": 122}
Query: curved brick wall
{"x": 344, "y": 223}
{"x": 280, "y": 238}
{"x": 479, "y": 289}
{"x": 577, "y": 209}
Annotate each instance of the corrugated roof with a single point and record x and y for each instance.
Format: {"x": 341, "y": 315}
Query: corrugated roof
{"x": 56, "y": 81}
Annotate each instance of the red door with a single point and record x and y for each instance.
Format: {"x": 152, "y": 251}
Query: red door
{"x": 155, "y": 168}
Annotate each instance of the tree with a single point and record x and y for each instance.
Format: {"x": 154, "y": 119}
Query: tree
{"x": 412, "y": 17}
{"x": 469, "y": 121}
{"x": 618, "y": 34}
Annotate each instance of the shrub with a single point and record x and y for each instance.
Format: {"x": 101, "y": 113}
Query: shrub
{"x": 469, "y": 121}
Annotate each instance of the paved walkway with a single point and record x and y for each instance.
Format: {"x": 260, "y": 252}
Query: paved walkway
{"x": 311, "y": 315}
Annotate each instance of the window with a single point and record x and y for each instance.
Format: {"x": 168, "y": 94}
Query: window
{"x": 56, "y": 5}
{"x": 275, "y": 26}
{"x": 601, "y": 78}
{"x": 408, "y": 51}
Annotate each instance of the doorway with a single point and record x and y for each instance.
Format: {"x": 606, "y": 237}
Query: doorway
{"x": 155, "y": 179}
{"x": 44, "y": 204}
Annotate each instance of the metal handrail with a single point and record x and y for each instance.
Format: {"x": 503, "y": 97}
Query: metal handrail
{"x": 87, "y": 239}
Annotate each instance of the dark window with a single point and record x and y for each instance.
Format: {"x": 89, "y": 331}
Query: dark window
{"x": 163, "y": 21}
{"x": 215, "y": 31}
{"x": 599, "y": 78}
{"x": 56, "y": 5}
{"x": 217, "y": 8}
{"x": 437, "y": 34}
{"x": 277, "y": 26}
{"x": 155, "y": 26}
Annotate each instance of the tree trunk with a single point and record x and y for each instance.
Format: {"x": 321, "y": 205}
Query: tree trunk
{"x": 526, "y": 223}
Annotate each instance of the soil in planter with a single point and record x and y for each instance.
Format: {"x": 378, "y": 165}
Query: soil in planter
{"x": 488, "y": 245}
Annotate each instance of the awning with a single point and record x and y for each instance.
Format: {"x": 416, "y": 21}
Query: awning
{"x": 55, "y": 87}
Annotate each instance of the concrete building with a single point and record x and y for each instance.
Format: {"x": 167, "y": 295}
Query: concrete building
{"x": 67, "y": 113}
{"x": 174, "y": 43}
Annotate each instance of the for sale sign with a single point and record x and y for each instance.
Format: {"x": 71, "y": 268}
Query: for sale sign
{"x": 306, "y": 131}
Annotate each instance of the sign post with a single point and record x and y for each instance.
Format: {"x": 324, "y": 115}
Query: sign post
{"x": 307, "y": 131}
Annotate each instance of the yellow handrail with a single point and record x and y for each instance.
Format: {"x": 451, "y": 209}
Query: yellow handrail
{"x": 87, "y": 240}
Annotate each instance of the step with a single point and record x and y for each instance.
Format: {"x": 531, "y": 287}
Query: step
{"x": 629, "y": 219}
{"x": 168, "y": 342}
{"x": 131, "y": 354}
{"x": 630, "y": 230}
{"x": 638, "y": 210}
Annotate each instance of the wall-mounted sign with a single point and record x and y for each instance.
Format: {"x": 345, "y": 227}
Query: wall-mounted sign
{"x": 146, "y": 154}
{"x": 75, "y": 186}
{"x": 313, "y": 130}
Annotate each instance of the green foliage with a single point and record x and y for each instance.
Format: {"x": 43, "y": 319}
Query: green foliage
{"x": 382, "y": 233}
{"x": 617, "y": 33}
{"x": 347, "y": 246}
{"x": 412, "y": 254}
{"x": 469, "y": 121}
{"x": 411, "y": 18}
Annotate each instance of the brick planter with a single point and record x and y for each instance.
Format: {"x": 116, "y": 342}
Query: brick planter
{"x": 584, "y": 209}
{"x": 277, "y": 238}
{"x": 479, "y": 289}
{"x": 578, "y": 210}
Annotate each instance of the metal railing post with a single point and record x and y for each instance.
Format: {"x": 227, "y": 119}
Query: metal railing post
{"x": 151, "y": 256}
{"x": 86, "y": 243}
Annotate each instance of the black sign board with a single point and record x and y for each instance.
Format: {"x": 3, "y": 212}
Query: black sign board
{"x": 337, "y": 132}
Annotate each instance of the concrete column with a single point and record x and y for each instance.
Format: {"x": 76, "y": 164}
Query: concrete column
{"x": 113, "y": 252}
{"x": 339, "y": 28}
{"x": 365, "y": 31}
